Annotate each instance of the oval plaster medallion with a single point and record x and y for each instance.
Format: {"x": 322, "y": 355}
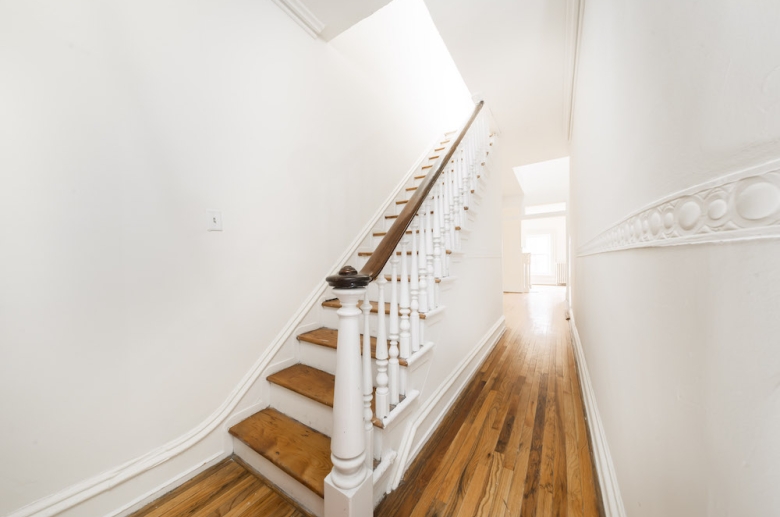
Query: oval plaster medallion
{"x": 717, "y": 209}
{"x": 668, "y": 220}
{"x": 655, "y": 222}
{"x": 758, "y": 200}
{"x": 688, "y": 214}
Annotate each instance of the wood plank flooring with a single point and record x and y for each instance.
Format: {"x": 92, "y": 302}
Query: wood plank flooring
{"x": 227, "y": 489}
{"x": 516, "y": 442}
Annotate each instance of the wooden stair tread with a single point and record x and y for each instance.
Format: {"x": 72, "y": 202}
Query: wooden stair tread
{"x": 427, "y": 167}
{"x": 313, "y": 384}
{"x": 419, "y": 177}
{"x": 409, "y": 189}
{"x": 438, "y": 149}
{"x": 391, "y": 216}
{"x": 298, "y": 450}
{"x": 336, "y": 304}
{"x": 330, "y": 338}
{"x": 402, "y": 202}
{"x": 435, "y": 157}
{"x": 307, "y": 381}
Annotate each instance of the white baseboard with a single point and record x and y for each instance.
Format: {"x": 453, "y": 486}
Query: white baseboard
{"x": 605, "y": 468}
{"x": 405, "y": 453}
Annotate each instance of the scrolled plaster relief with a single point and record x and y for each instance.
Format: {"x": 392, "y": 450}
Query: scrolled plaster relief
{"x": 738, "y": 206}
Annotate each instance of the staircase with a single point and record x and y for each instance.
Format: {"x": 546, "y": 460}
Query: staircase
{"x": 353, "y": 372}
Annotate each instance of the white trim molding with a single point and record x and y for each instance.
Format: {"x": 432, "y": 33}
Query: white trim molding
{"x": 744, "y": 205}
{"x": 575, "y": 10}
{"x": 298, "y": 11}
{"x": 605, "y": 468}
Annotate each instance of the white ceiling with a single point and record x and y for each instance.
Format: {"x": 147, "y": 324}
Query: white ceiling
{"x": 339, "y": 15}
{"x": 513, "y": 53}
{"x": 545, "y": 182}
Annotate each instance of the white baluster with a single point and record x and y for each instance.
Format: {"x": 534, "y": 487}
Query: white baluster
{"x": 431, "y": 281}
{"x": 393, "y": 365}
{"x": 382, "y": 391}
{"x": 405, "y": 338}
{"x": 368, "y": 386}
{"x": 454, "y": 194}
{"x": 447, "y": 222}
{"x": 464, "y": 178}
{"x": 437, "y": 268}
{"x": 422, "y": 262}
{"x": 414, "y": 290}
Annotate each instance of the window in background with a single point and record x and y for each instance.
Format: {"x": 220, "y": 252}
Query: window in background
{"x": 540, "y": 248}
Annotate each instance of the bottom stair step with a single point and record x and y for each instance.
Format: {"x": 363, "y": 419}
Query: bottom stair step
{"x": 298, "y": 450}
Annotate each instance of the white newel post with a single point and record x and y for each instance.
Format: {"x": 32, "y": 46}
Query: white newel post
{"x": 348, "y": 487}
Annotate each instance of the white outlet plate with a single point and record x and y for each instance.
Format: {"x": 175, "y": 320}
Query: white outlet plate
{"x": 214, "y": 223}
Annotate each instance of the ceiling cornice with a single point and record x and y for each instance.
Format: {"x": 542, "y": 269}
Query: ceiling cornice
{"x": 298, "y": 11}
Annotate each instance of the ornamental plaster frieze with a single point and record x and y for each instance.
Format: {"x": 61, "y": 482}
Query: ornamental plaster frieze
{"x": 739, "y": 206}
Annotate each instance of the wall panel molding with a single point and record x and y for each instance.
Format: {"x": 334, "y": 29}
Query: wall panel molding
{"x": 744, "y": 205}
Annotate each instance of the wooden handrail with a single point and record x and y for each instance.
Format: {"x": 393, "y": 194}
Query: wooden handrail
{"x": 348, "y": 278}
{"x": 384, "y": 251}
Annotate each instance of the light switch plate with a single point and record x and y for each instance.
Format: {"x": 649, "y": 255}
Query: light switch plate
{"x": 214, "y": 223}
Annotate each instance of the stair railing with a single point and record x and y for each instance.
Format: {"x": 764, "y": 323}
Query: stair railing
{"x": 435, "y": 213}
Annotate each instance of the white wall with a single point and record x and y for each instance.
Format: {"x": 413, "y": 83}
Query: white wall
{"x": 123, "y": 323}
{"x": 511, "y": 244}
{"x": 681, "y": 342}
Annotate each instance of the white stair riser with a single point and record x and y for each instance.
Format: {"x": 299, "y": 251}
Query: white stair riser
{"x": 320, "y": 357}
{"x": 306, "y": 411}
{"x": 330, "y": 319}
{"x": 296, "y": 491}
{"x": 324, "y": 358}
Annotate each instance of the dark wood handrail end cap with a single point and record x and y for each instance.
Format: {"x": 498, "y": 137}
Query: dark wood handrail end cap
{"x": 348, "y": 278}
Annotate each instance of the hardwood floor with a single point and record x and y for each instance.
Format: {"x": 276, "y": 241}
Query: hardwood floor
{"x": 227, "y": 489}
{"x": 516, "y": 443}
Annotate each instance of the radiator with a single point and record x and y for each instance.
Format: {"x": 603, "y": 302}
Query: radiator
{"x": 562, "y": 273}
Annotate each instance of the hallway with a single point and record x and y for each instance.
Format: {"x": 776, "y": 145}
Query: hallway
{"x": 516, "y": 442}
